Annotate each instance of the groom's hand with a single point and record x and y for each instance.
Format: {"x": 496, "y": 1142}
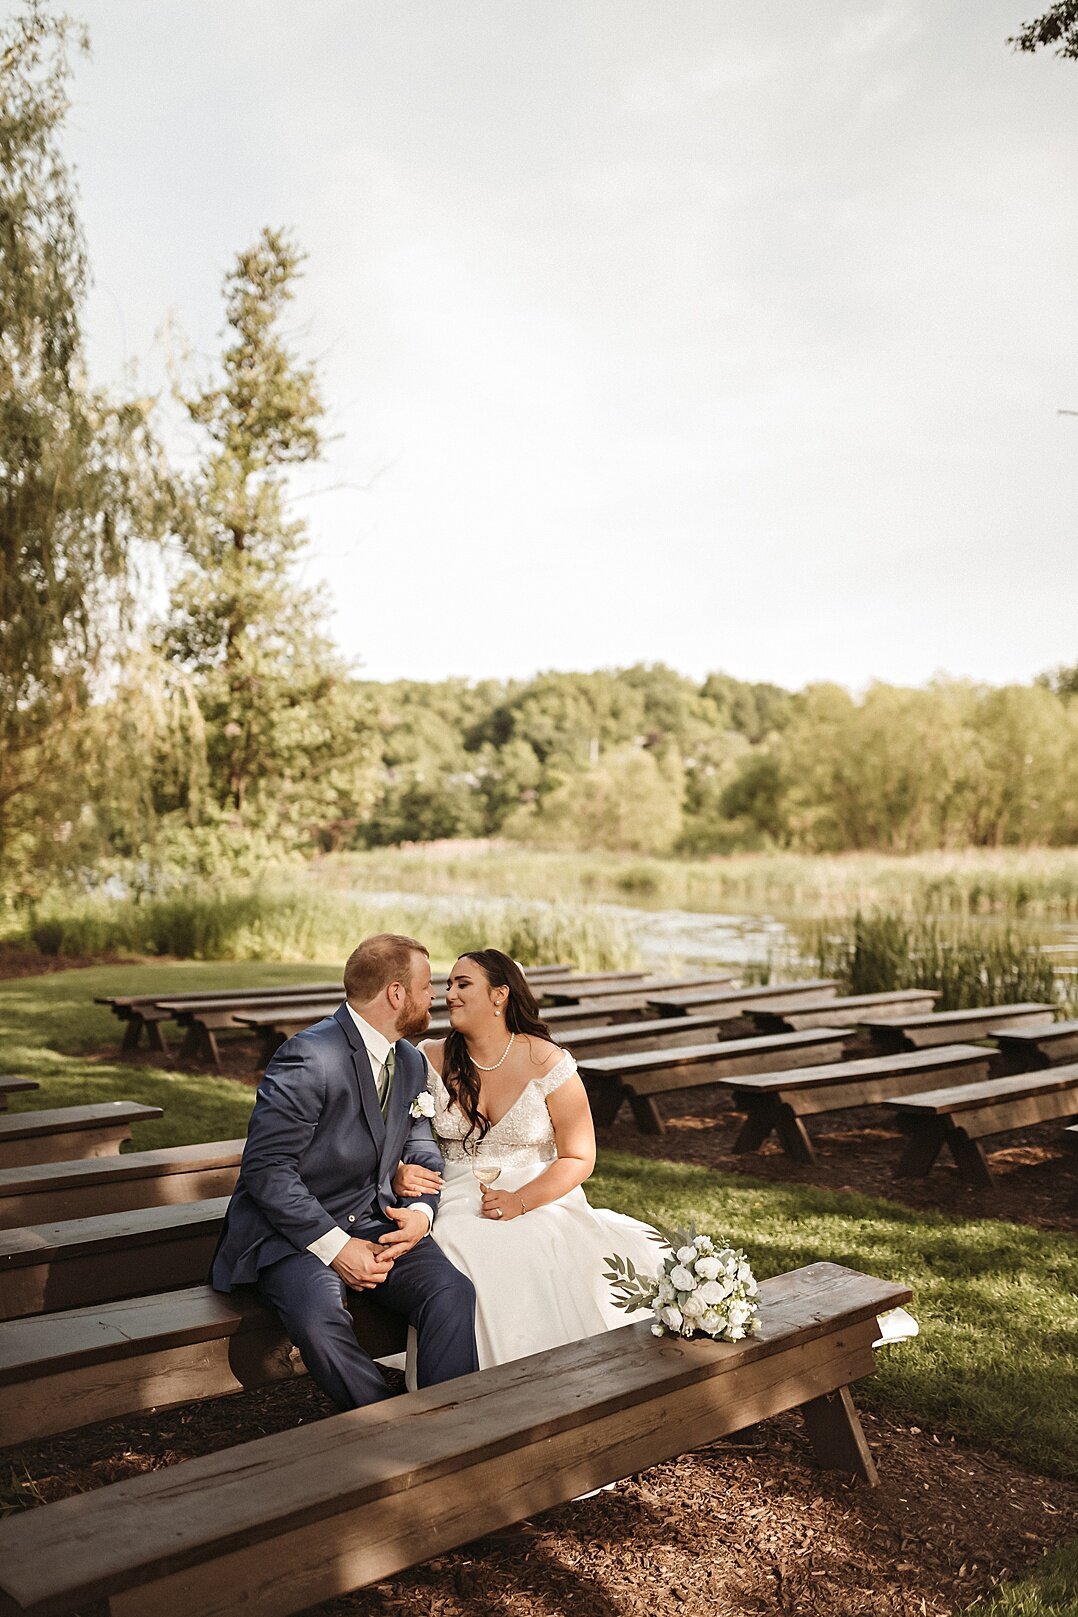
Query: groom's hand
{"x": 362, "y": 1264}
{"x": 412, "y": 1225}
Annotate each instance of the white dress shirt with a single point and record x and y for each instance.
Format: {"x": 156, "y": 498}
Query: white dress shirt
{"x": 377, "y": 1047}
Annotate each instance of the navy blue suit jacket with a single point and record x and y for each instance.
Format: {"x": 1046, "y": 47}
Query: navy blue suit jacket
{"x": 318, "y": 1155}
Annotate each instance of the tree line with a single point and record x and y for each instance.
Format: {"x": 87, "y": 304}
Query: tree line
{"x": 226, "y": 730}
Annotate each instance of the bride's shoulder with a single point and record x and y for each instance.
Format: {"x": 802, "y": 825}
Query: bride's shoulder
{"x": 552, "y": 1066}
{"x": 543, "y": 1055}
{"x": 434, "y": 1050}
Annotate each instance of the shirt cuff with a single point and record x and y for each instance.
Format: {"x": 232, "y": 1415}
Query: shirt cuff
{"x": 327, "y": 1246}
{"x": 424, "y": 1207}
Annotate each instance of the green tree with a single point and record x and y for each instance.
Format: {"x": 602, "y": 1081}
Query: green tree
{"x": 281, "y": 720}
{"x": 79, "y": 474}
{"x": 1058, "y": 26}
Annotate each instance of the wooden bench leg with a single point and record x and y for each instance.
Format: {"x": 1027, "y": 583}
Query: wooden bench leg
{"x": 210, "y": 1048}
{"x": 646, "y": 1114}
{"x": 605, "y": 1102}
{"x": 972, "y": 1163}
{"x": 189, "y": 1044}
{"x": 155, "y": 1038}
{"x": 757, "y": 1125}
{"x": 794, "y": 1135}
{"x": 132, "y": 1029}
{"x": 922, "y": 1149}
{"x": 838, "y": 1441}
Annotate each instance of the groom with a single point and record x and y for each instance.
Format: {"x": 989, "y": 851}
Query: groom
{"x": 313, "y": 1212}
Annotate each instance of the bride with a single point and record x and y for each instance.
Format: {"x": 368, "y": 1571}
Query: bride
{"x": 514, "y": 1127}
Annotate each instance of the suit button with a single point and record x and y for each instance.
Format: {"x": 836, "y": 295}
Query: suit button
{"x": 351, "y": 1218}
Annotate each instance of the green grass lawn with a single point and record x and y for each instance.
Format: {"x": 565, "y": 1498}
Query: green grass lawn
{"x": 999, "y": 1326}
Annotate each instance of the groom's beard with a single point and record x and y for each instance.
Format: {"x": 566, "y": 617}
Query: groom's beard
{"x": 413, "y": 1019}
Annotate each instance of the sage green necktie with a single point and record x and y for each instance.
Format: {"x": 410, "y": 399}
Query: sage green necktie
{"x": 386, "y": 1086}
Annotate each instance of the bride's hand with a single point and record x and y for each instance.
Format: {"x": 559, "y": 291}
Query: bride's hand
{"x": 412, "y": 1179}
{"x": 501, "y": 1204}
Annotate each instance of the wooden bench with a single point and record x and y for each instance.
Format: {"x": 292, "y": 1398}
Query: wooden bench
{"x": 789, "y": 1015}
{"x": 88, "y": 1188}
{"x": 943, "y": 1027}
{"x": 961, "y": 1118}
{"x": 15, "y": 1086}
{"x": 779, "y": 1102}
{"x": 641, "y": 1078}
{"x": 653, "y": 1033}
{"x": 147, "y": 1012}
{"x": 70, "y": 1131}
{"x": 48, "y": 1267}
{"x": 282, "y": 1523}
{"x": 1070, "y": 1137}
{"x": 64, "y": 1370}
{"x": 1039, "y": 1046}
{"x": 739, "y": 1001}
{"x": 576, "y": 994}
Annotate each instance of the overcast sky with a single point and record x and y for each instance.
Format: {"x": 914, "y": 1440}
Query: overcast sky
{"x": 732, "y": 337}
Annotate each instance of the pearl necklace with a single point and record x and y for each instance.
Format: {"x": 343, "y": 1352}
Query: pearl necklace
{"x": 498, "y": 1063}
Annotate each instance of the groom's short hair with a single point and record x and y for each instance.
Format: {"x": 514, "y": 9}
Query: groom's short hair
{"x": 388, "y": 957}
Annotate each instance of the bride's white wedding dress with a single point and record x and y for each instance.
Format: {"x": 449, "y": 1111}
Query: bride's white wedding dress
{"x": 538, "y": 1278}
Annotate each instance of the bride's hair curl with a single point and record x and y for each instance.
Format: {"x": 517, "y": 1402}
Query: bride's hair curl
{"x": 459, "y": 1074}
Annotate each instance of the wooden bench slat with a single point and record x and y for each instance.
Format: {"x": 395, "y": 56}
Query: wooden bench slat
{"x": 91, "y": 1186}
{"x": 939, "y": 1027}
{"x": 571, "y": 993}
{"x": 48, "y": 1267}
{"x": 848, "y": 1011}
{"x": 735, "y": 1000}
{"x": 491, "y": 1447}
{"x": 967, "y": 1097}
{"x": 69, "y": 1131}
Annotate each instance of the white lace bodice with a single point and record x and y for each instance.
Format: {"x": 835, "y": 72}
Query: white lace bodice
{"x": 525, "y": 1132}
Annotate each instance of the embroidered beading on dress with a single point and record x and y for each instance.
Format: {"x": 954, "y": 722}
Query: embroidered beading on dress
{"x": 525, "y": 1131}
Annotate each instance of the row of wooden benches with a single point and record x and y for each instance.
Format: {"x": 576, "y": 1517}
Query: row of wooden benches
{"x": 639, "y": 1062}
{"x": 105, "y": 1320}
{"x": 275, "y": 1013}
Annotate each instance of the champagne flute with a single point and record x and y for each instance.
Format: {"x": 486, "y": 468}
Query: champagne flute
{"x": 485, "y": 1174}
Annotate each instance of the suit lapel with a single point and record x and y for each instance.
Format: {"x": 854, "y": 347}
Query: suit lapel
{"x": 368, "y": 1094}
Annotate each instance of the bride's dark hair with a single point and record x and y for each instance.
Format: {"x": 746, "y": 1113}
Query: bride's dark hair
{"x": 459, "y": 1074}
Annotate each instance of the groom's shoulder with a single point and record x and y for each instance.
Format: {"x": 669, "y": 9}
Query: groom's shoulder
{"x": 312, "y": 1046}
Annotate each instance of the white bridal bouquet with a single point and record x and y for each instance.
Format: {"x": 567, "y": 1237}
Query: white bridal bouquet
{"x": 705, "y": 1287}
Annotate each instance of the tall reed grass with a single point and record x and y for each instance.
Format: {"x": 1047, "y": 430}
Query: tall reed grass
{"x": 307, "y": 923}
{"x": 875, "y": 952}
{"x": 1004, "y": 882}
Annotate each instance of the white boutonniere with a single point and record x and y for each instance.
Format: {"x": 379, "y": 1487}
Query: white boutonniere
{"x": 423, "y": 1105}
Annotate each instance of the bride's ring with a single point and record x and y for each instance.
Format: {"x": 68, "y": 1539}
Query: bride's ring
{"x": 497, "y": 1212}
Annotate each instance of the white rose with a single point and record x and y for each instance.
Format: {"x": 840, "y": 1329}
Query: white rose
{"x": 708, "y": 1268}
{"x": 423, "y": 1105}
{"x": 713, "y": 1292}
{"x": 682, "y": 1278}
{"x": 672, "y": 1317}
{"x": 686, "y": 1254}
{"x": 735, "y": 1333}
{"x": 738, "y": 1313}
{"x": 704, "y": 1243}
{"x": 657, "y": 1330}
{"x": 751, "y": 1288}
{"x": 711, "y": 1321}
{"x": 744, "y": 1273}
{"x": 692, "y": 1307}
